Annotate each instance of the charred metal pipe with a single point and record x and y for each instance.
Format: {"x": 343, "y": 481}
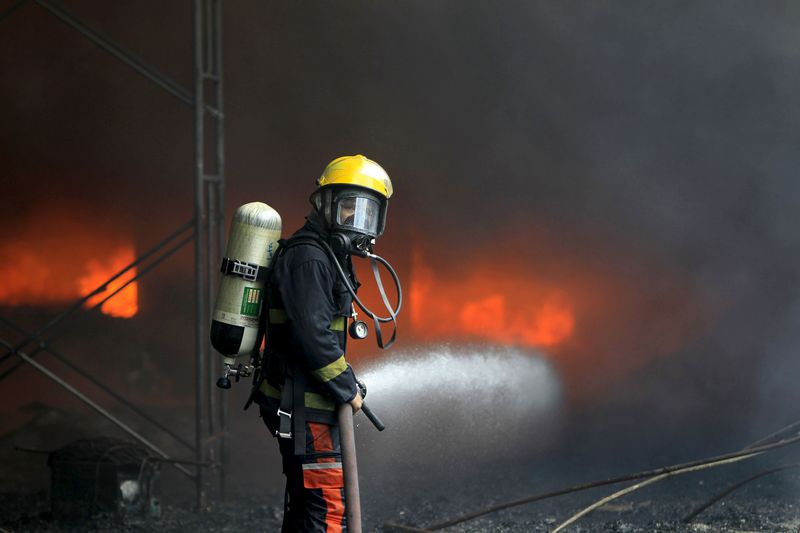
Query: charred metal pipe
{"x": 350, "y": 468}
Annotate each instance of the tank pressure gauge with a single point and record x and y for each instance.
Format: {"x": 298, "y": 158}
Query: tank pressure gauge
{"x": 358, "y": 329}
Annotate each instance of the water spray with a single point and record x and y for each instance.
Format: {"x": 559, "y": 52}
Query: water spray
{"x": 467, "y": 395}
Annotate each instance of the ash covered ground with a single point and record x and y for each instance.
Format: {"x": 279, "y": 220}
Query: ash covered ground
{"x": 764, "y": 505}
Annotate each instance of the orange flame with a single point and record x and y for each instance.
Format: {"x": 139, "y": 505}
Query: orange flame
{"x": 485, "y": 304}
{"x": 597, "y": 320}
{"x": 549, "y": 322}
{"x": 123, "y": 304}
{"x": 54, "y": 257}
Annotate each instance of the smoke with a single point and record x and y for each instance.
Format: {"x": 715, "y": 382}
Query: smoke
{"x": 657, "y": 131}
{"x": 469, "y": 404}
{"x": 629, "y": 134}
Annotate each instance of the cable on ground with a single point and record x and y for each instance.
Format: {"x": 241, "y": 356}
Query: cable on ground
{"x": 689, "y": 517}
{"x": 630, "y": 477}
{"x": 655, "y": 479}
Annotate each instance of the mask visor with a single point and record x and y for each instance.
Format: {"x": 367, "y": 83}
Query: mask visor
{"x": 360, "y": 214}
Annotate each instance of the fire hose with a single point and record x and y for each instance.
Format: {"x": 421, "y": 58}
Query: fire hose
{"x": 349, "y": 462}
{"x": 350, "y": 468}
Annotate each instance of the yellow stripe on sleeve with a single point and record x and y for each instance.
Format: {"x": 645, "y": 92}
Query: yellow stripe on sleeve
{"x": 331, "y": 371}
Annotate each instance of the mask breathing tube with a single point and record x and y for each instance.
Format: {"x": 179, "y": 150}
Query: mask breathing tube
{"x": 393, "y": 311}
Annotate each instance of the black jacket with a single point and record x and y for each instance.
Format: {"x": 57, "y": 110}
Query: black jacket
{"x": 308, "y": 307}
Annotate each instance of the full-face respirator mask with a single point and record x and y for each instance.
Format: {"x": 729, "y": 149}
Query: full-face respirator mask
{"x": 353, "y": 216}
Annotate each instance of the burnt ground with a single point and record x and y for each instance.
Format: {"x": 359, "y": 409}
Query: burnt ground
{"x": 770, "y": 504}
{"x": 425, "y": 481}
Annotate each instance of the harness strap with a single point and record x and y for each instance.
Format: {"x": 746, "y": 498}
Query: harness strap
{"x": 285, "y": 410}
{"x": 302, "y": 239}
{"x": 299, "y": 419}
{"x": 256, "y": 358}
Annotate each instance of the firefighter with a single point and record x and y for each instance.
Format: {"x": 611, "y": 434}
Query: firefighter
{"x": 305, "y": 375}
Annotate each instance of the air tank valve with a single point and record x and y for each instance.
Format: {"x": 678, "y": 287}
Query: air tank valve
{"x": 241, "y": 371}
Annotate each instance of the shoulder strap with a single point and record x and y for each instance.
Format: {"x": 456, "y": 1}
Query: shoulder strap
{"x": 256, "y": 358}
{"x": 302, "y": 237}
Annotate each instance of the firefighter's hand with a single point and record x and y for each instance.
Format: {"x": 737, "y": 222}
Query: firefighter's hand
{"x": 356, "y": 402}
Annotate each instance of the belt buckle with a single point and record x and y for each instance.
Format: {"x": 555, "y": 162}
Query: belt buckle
{"x": 286, "y": 435}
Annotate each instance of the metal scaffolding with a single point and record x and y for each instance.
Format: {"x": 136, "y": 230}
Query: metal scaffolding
{"x": 209, "y": 219}
{"x": 206, "y": 230}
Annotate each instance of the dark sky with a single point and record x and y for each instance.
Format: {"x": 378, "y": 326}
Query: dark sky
{"x": 661, "y": 129}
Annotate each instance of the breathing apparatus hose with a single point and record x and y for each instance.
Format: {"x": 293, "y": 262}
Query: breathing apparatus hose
{"x": 393, "y": 312}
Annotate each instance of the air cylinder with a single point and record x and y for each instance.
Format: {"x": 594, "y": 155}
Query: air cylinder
{"x": 255, "y": 231}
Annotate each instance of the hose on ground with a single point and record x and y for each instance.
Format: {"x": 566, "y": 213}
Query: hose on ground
{"x": 574, "y": 518}
{"x": 620, "y": 479}
{"x": 689, "y": 517}
{"x": 601, "y": 502}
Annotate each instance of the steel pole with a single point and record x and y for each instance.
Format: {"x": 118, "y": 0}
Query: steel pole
{"x": 199, "y": 221}
{"x": 350, "y": 467}
{"x": 224, "y": 458}
{"x": 212, "y": 263}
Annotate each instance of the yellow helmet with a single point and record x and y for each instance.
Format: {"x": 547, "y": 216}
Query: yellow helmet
{"x": 352, "y": 197}
{"x": 359, "y": 171}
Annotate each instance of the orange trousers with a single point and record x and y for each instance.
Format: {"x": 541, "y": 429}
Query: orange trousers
{"x": 314, "y": 497}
